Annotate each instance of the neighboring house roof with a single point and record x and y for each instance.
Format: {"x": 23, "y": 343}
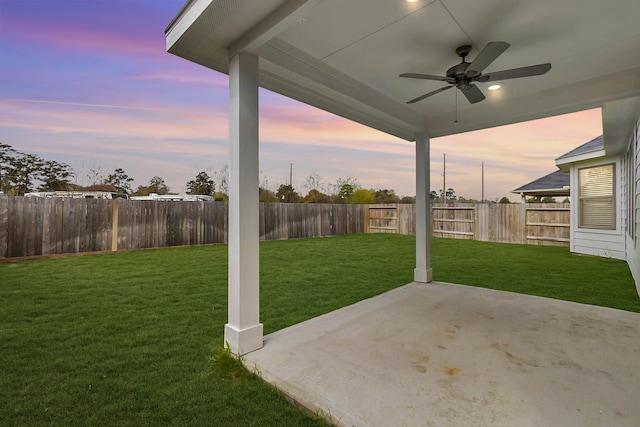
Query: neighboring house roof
{"x": 588, "y": 147}
{"x": 589, "y": 150}
{"x": 553, "y": 184}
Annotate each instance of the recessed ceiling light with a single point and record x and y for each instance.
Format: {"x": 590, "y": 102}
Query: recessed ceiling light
{"x": 494, "y": 87}
{"x": 411, "y": 1}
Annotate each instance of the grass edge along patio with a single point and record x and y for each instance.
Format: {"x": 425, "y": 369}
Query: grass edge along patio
{"x": 127, "y": 338}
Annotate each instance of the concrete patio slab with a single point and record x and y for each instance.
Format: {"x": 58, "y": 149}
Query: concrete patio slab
{"x": 440, "y": 354}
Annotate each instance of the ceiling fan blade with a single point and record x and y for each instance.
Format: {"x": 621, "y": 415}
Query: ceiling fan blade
{"x": 420, "y": 98}
{"x": 472, "y": 93}
{"x": 515, "y": 73}
{"x": 427, "y": 77}
{"x": 489, "y": 54}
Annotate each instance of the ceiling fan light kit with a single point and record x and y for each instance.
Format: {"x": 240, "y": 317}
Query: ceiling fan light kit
{"x": 463, "y": 75}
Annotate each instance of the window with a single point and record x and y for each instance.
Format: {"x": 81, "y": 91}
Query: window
{"x": 596, "y": 198}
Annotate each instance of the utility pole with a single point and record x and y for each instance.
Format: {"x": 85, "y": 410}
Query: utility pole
{"x": 291, "y": 174}
{"x": 444, "y": 177}
{"x": 482, "y": 182}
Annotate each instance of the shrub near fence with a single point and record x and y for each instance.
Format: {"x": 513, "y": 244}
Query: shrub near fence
{"x": 49, "y": 226}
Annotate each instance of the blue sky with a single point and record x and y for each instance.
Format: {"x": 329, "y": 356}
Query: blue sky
{"x": 89, "y": 83}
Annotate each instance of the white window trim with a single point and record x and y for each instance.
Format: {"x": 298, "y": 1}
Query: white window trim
{"x": 583, "y": 198}
{"x": 575, "y": 196}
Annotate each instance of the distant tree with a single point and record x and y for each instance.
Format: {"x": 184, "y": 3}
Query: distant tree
{"x": 344, "y": 188}
{"x": 548, "y": 199}
{"x": 264, "y": 182}
{"x": 202, "y": 184}
{"x": 345, "y": 192}
{"x": 95, "y": 176}
{"x": 287, "y": 194}
{"x": 55, "y": 176}
{"x": 120, "y": 180}
{"x": 385, "y": 196}
{"x": 408, "y": 199}
{"x": 450, "y": 195}
{"x": 314, "y": 182}
{"x": 20, "y": 172}
{"x": 362, "y": 196}
{"x": 223, "y": 182}
{"x": 465, "y": 200}
{"x": 158, "y": 186}
{"x": 267, "y": 196}
{"x": 26, "y": 170}
{"x": 142, "y": 190}
{"x": 433, "y": 195}
{"x": 566, "y": 200}
{"x": 219, "y": 196}
{"x": 8, "y": 158}
{"x": 316, "y": 196}
{"x": 535, "y": 199}
{"x": 504, "y": 201}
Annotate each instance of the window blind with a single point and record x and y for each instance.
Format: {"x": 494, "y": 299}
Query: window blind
{"x": 597, "y": 201}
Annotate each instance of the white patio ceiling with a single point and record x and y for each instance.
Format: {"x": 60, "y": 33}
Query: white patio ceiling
{"x": 344, "y": 56}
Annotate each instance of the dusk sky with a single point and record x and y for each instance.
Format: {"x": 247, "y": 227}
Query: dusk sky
{"x": 89, "y": 83}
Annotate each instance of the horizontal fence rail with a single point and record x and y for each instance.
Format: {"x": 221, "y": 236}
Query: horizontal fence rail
{"x": 50, "y": 226}
{"x": 535, "y": 224}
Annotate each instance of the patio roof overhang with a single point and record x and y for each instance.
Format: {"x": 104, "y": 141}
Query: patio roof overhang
{"x": 345, "y": 57}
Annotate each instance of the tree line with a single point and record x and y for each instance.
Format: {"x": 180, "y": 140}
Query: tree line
{"x": 22, "y": 173}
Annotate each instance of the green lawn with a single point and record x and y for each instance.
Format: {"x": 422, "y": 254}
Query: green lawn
{"x": 126, "y": 339}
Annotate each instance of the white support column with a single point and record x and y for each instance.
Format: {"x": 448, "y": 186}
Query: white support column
{"x": 422, "y": 272}
{"x": 243, "y": 332}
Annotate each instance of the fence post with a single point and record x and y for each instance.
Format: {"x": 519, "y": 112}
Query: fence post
{"x": 114, "y": 225}
{"x": 366, "y": 219}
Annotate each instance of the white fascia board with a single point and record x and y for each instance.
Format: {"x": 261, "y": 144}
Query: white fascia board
{"x": 565, "y": 162}
{"x": 184, "y": 20}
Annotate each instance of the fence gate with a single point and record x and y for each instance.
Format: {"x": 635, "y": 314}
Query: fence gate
{"x": 548, "y": 225}
{"x": 457, "y": 222}
{"x": 382, "y": 219}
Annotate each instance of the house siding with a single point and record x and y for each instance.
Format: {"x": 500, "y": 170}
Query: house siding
{"x": 605, "y": 243}
{"x": 632, "y": 161}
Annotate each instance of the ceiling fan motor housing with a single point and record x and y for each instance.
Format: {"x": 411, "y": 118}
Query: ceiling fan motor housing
{"x": 458, "y": 73}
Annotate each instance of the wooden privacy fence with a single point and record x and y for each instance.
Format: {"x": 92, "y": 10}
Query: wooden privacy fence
{"x": 49, "y": 226}
{"x": 548, "y": 225}
{"x": 535, "y": 224}
{"x": 391, "y": 218}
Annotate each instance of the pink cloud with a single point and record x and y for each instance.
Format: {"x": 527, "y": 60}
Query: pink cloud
{"x": 98, "y": 122}
{"x": 215, "y": 81}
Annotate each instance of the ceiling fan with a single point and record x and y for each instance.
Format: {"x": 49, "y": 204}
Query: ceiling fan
{"x": 465, "y": 73}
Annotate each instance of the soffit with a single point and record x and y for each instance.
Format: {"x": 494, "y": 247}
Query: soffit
{"x": 345, "y": 56}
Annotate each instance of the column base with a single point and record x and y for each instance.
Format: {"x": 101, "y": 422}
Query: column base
{"x": 423, "y": 276}
{"x": 243, "y": 341}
